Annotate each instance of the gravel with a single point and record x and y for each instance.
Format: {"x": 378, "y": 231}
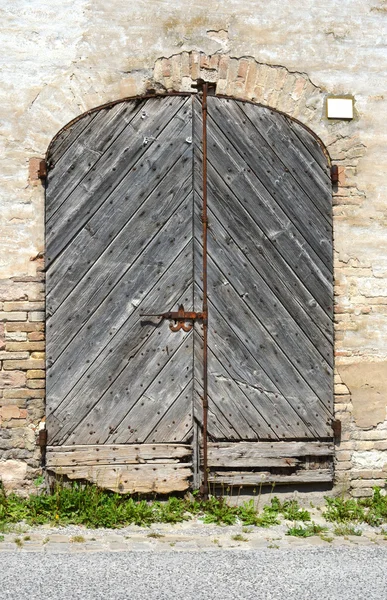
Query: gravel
{"x": 297, "y": 573}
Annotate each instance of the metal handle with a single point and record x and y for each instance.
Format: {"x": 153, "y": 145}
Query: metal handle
{"x": 180, "y": 317}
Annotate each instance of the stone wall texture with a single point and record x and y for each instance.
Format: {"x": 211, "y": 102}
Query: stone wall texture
{"x": 62, "y": 58}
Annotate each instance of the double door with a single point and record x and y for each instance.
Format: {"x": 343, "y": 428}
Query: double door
{"x": 189, "y": 297}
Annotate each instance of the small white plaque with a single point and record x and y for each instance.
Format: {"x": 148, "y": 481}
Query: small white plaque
{"x": 340, "y": 108}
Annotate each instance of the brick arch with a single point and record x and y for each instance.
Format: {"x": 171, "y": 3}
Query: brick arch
{"x": 244, "y": 79}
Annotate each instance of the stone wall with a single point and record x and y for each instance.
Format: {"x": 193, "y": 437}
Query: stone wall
{"x": 65, "y": 58}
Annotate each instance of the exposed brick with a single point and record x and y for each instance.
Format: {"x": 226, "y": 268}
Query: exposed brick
{"x": 343, "y": 455}
{"x": 20, "y": 402}
{"x": 12, "y": 379}
{"x": 15, "y": 336}
{"x": 13, "y": 316}
{"x": 38, "y": 355}
{"x": 36, "y": 336}
{"x": 23, "y": 393}
{"x": 362, "y": 492}
{"x": 30, "y": 346}
{"x": 23, "y": 306}
{"x": 194, "y": 65}
{"x": 36, "y": 316}
{"x": 10, "y": 412}
{"x": 166, "y": 67}
{"x": 36, "y": 383}
{"x": 343, "y": 466}
{"x": 341, "y": 389}
{"x": 13, "y": 355}
{"x": 23, "y": 365}
{"x": 24, "y": 326}
{"x": 13, "y": 423}
{"x": 36, "y": 374}
{"x": 223, "y": 67}
{"x": 360, "y": 483}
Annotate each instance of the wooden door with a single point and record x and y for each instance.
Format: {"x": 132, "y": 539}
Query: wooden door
{"x": 270, "y": 298}
{"x": 124, "y": 391}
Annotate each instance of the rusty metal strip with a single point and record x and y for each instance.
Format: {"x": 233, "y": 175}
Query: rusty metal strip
{"x": 205, "y": 304}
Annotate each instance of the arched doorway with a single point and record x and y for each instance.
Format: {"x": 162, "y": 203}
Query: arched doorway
{"x": 124, "y": 210}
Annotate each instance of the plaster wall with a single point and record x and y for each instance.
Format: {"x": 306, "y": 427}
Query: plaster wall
{"x": 60, "y": 58}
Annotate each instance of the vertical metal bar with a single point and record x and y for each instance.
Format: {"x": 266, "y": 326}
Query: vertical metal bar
{"x": 205, "y": 304}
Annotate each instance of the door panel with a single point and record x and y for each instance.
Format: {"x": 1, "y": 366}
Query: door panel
{"x": 108, "y": 366}
{"x": 125, "y": 240}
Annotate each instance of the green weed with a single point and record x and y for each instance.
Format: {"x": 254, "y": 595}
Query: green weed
{"x": 78, "y": 539}
{"x": 238, "y": 537}
{"x": 307, "y": 531}
{"x": 371, "y": 510}
{"x": 346, "y": 529}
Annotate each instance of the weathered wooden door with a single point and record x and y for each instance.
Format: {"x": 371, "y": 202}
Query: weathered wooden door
{"x": 124, "y": 239}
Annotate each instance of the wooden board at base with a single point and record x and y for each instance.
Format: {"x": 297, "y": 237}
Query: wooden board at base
{"x": 128, "y": 479}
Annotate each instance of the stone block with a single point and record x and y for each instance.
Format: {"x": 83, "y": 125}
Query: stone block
{"x": 13, "y": 316}
{"x": 23, "y": 393}
{"x": 21, "y": 306}
{"x": 36, "y": 374}
{"x": 12, "y": 473}
{"x": 23, "y": 365}
{"x": 14, "y": 355}
{"x": 25, "y": 326}
{"x": 26, "y": 346}
{"x": 36, "y": 316}
{"x": 12, "y": 379}
{"x": 36, "y": 383}
{"x": 10, "y": 412}
{"x": 36, "y": 336}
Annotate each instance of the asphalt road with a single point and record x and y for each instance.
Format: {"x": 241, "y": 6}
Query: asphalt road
{"x": 299, "y": 573}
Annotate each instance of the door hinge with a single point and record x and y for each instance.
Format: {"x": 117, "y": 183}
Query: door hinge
{"x": 335, "y": 174}
{"x": 42, "y": 170}
{"x": 336, "y": 426}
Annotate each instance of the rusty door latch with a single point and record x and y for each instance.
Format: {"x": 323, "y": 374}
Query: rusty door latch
{"x": 179, "y": 319}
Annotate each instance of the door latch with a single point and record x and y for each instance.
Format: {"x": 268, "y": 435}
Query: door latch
{"x": 179, "y": 319}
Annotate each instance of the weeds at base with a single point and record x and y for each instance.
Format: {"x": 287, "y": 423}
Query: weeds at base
{"x": 77, "y": 539}
{"x": 346, "y": 529}
{"x": 238, "y": 537}
{"x": 307, "y": 531}
{"x": 90, "y": 506}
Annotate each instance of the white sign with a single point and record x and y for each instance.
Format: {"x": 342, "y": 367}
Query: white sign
{"x": 340, "y": 108}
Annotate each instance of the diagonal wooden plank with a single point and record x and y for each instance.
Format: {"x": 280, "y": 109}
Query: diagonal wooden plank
{"x": 139, "y": 373}
{"x": 176, "y": 422}
{"x": 260, "y": 166}
{"x": 107, "y": 355}
{"x": 103, "y": 228}
{"x": 219, "y": 426}
{"x": 233, "y": 403}
{"x": 311, "y": 365}
{"x": 243, "y": 364}
{"x": 137, "y": 139}
{"x": 274, "y": 362}
{"x": 274, "y": 137}
{"x": 282, "y": 234}
{"x": 158, "y": 397}
{"x": 244, "y": 368}
{"x": 275, "y": 256}
{"x": 161, "y": 227}
{"x": 67, "y": 137}
{"x": 68, "y": 171}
